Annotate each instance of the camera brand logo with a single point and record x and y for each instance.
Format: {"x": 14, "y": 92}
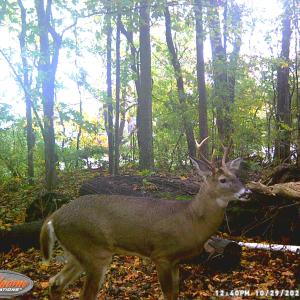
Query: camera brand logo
{"x": 14, "y": 284}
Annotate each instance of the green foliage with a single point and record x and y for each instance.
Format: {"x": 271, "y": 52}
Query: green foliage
{"x": 183, "y": 197}
{"x": 87, "y": 157}
{"x": 12, "y": 147}
{"x": 248, "y": 113}
{"x": 145, "y": 173}
{"x": 253, "y": 112}
{"x": 6, "y": 117}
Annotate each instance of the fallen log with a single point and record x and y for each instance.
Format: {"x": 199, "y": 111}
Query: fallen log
{"x": 289, "y": 190}
{"x": 283, "y": 173}
{"x": 271, "y": 247}
{"x": 23, "y": 236}
{"x": 152, "y": 186}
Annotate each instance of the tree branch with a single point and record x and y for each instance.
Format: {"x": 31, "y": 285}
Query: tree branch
{"x": 18, "y": 78}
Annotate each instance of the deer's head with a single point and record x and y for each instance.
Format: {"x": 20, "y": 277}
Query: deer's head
{"x": 223, "y": 180}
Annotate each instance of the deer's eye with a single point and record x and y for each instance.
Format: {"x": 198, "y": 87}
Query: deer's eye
{"x": 222, "y": 180}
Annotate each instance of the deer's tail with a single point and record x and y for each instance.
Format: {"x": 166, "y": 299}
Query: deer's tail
{"x": 47, "y": 240}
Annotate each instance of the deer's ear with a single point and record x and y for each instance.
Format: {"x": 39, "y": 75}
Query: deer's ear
{"x": 202, "y": 168}
{"x": 234, "y": 165}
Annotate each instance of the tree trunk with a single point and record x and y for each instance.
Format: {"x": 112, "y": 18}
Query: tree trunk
{"x": 118, "y": 88}
{"x": 234, "y": 55}
{"x": 108, "y": 110}
{"x": 219, "y": 63}
{"x": 144, "y": 111}
{"x": 80, "y": 79}
{"x": 297, "y": 100}
{"x": 133, "y": 52}
{"x": 283, "y": 111}
{"x": 27, "y": 85}
{"x": 122, "y": 115}
{"x": 47, "y": 70}
{"x": 64, "y": 136}
{"x": 180, "y": 86}
{"x": 297, "y": 56}
{"x": 200, "y": 35}
{"x": 79, "y": 126}
{"x": 136, "y": 74}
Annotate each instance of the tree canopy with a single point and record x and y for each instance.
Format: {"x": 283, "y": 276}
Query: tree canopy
{"x": 135, "y": 82}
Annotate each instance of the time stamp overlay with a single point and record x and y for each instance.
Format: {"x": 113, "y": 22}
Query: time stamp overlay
{"x": 258, "y": 293}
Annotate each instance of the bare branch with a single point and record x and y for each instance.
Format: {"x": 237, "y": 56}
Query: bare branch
{"x": 19, "y": 79}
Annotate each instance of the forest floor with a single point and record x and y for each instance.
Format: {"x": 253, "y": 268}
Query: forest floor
{"x": 134, "y": 278}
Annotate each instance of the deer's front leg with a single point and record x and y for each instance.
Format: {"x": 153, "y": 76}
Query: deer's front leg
{"x": 168, "y": 275}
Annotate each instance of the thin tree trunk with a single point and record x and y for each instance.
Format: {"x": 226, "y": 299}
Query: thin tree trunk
{"x": 61, "y": 119}
{"x": 133, "y": 51}
{"x": 47, "y": 70}
{"x": 123, "y": 115}
{"x": 64, "y": 139}
{"x": 108, "y": 112}
{"x": 118, "y": 87}
{"x": 296, "y": 24}
{"x": 80, "y": 115}
{"x": 234, "y": 55}
{"x": 225, "y": 27}
{"x": 80, "y": 78}
{"x": 180, "y": 86}
{"x": 136, "y": 73}
{"x": 202, "y": 106}
{"x": 219, "y": 63}
{"x": 29, "y": 129}
{"x": 144, "y": 111}
{"x": 283, "y": 112}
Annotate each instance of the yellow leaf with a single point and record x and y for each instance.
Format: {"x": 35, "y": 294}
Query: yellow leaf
{"x": 137, "y": 262}
{"x": 287, "y": 273}
{"x": 44, "y": 267}
{"x": 211, "y": 288}
{"x": 44, "y": 284}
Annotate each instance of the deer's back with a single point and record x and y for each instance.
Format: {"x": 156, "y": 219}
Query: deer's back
{"x": 121, "y": 223}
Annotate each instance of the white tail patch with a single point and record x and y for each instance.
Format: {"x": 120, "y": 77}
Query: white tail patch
{"x": 52, "y": 239}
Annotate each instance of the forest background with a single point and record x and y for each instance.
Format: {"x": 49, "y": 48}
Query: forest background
{"x": 75, "y": 74}
{"x": 91, "y": 88}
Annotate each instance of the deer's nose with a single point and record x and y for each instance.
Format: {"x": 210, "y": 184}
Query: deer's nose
{"x": 248, "y": 192}
{"x": 243, "y": 194}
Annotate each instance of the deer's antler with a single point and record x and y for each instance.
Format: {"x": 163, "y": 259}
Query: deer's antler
{"x": 210, "y": 163}
{"x": 226, "y": 153}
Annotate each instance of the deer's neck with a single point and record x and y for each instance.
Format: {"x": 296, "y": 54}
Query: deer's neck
{"x": 206, "y": 208}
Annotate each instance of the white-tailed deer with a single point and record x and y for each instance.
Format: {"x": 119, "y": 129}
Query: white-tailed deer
{"x": 94, "y": 227}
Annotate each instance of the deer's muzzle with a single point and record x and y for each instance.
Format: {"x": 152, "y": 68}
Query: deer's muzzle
{"x": 243, "y": 194}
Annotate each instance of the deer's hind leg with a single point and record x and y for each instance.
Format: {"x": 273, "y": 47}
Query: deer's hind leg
{"x": 95, "y": 268}
{"x": 66, "y": 276}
